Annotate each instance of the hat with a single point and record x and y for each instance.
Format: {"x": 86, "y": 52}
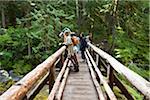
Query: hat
{"x": 64, "y": 31}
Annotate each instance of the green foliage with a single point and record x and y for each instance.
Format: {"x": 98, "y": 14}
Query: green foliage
{"x": 4, "y": 87}
{"x": 43, "y": 94}
{"x": 118, "y": 93}
{"x": 21, "y": 68}
{"x": 132, "y": 40}
{"x": 32, "y": 29}
{"x": 132, "y": 90}
{"x": 34, "y": 38}
{"x": 126, "y": 50}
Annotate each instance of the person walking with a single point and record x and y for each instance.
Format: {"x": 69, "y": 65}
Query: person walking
{"x": 71, "y": 53}
{"x": 83, "y": 46}
{"x": 75, "y": 41}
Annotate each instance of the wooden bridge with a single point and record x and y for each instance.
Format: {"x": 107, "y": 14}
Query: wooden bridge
{"x": 94, "y": 81}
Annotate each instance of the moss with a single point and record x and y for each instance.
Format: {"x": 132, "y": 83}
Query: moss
{"x": 2, "y": 87}
{"x": 43, "y": 94}
{"x": 5, "y": 86}
{"x": 118, "y": 93}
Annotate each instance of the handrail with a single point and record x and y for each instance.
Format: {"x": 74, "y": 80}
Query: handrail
{"x": 97, "y": 85}
{"x": 57, "y": 81}
{"x": 63, "y": 83}
{"x": 105, "y": 84}
{"x": 139, "y": 82}
{"x": 19, "y": 90}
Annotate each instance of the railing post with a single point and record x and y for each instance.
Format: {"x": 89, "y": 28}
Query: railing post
{"x": 99, "y": 61}
{"x": 97, "y": 57}
{"x": 61, "y": 61}
{"x": 94, "y": 55}
{"x": 111, "y": 76}
{"x": 51, "y": 77}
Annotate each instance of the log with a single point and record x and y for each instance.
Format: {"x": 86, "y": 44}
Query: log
{"x": 51, "y": 80}
{"x": 96, "y": 84}
{"x": 19, "y": 90}
{"x": 136, "y": 80}
{"x": 62, "y": 86}
{"x": 57, "y": 81}
{"x": 104, "y": 82}
{"x": 97, "y": 59}
{"x": 37, "y": 88}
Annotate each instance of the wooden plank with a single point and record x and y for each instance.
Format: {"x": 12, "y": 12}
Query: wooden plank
{"x": 51, "y": 78}
{"x": 62, "y": 86}
{"x": 104, "y": 82}
{"x": 139, "y": 82}
{"x": 97, "y": 59}
{"x": 20, "y": 89}
{"x": 104, "y": 64}
{"x": 57, "y": 81}
{"x": 79, "y": 85}
{"x": 52, "y": 74}
{"x": 111, "y": 76}
{"x": 97, "y": 85}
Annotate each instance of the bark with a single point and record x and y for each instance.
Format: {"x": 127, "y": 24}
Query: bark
{"x": 29, "y": 46}
{"x": 113, "y": 24}
{"x": 3, "y": 17}
{"x": 77, "y": 14}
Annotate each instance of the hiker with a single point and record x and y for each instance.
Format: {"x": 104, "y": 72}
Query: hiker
{"x": 75, "y": 41}
{"x": 68, "y": 41}
{"x": 83, "y": 46}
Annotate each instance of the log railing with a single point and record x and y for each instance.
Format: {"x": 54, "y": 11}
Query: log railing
{"x": 111, "y": 64}
{"x": 32, "y": 83}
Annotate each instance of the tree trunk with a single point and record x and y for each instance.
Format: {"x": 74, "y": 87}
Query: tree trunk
{"x": 113, "y": 24}
{"x": 3, "y": 17}
{"x": 29, "y": 46}
{"x": 77, "y": 14}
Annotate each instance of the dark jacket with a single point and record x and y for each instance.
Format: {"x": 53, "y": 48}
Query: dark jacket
{"x": 83, "y": 43}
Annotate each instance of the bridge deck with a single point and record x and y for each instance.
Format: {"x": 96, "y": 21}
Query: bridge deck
{"x": 79, "y": 85}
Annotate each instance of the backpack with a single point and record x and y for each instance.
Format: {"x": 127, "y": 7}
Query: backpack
{"x": 75, "y": 40}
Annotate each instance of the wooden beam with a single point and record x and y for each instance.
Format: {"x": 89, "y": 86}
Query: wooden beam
{"x": 51, "y": 78}
{"x": 63, "y": 83}
{"x": 19, "y": 90}
{"x": 111, "y": 76}
{"x": 139, "y": 82}
{"x": 104, "y": 82}
{"x": 97, "y": 59}
{"x": 57, "y": 81}
{"x": 96, "y": 84}
{"x": 37, "y": 88}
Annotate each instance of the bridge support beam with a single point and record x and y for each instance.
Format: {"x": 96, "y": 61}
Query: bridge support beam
{"x": 51, "y": 78}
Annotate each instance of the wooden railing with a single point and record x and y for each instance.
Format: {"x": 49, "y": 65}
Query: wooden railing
{"x": 111, "y": 65}
{"x": 30, "y": 85}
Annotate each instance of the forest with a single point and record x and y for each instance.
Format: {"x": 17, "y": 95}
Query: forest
{"x": 29, "y": 32}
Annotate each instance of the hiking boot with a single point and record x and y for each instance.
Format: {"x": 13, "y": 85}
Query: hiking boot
{"x": 77, "y": 70}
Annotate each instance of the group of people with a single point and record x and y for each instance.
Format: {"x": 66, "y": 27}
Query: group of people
{"x": 74, "y": 44}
